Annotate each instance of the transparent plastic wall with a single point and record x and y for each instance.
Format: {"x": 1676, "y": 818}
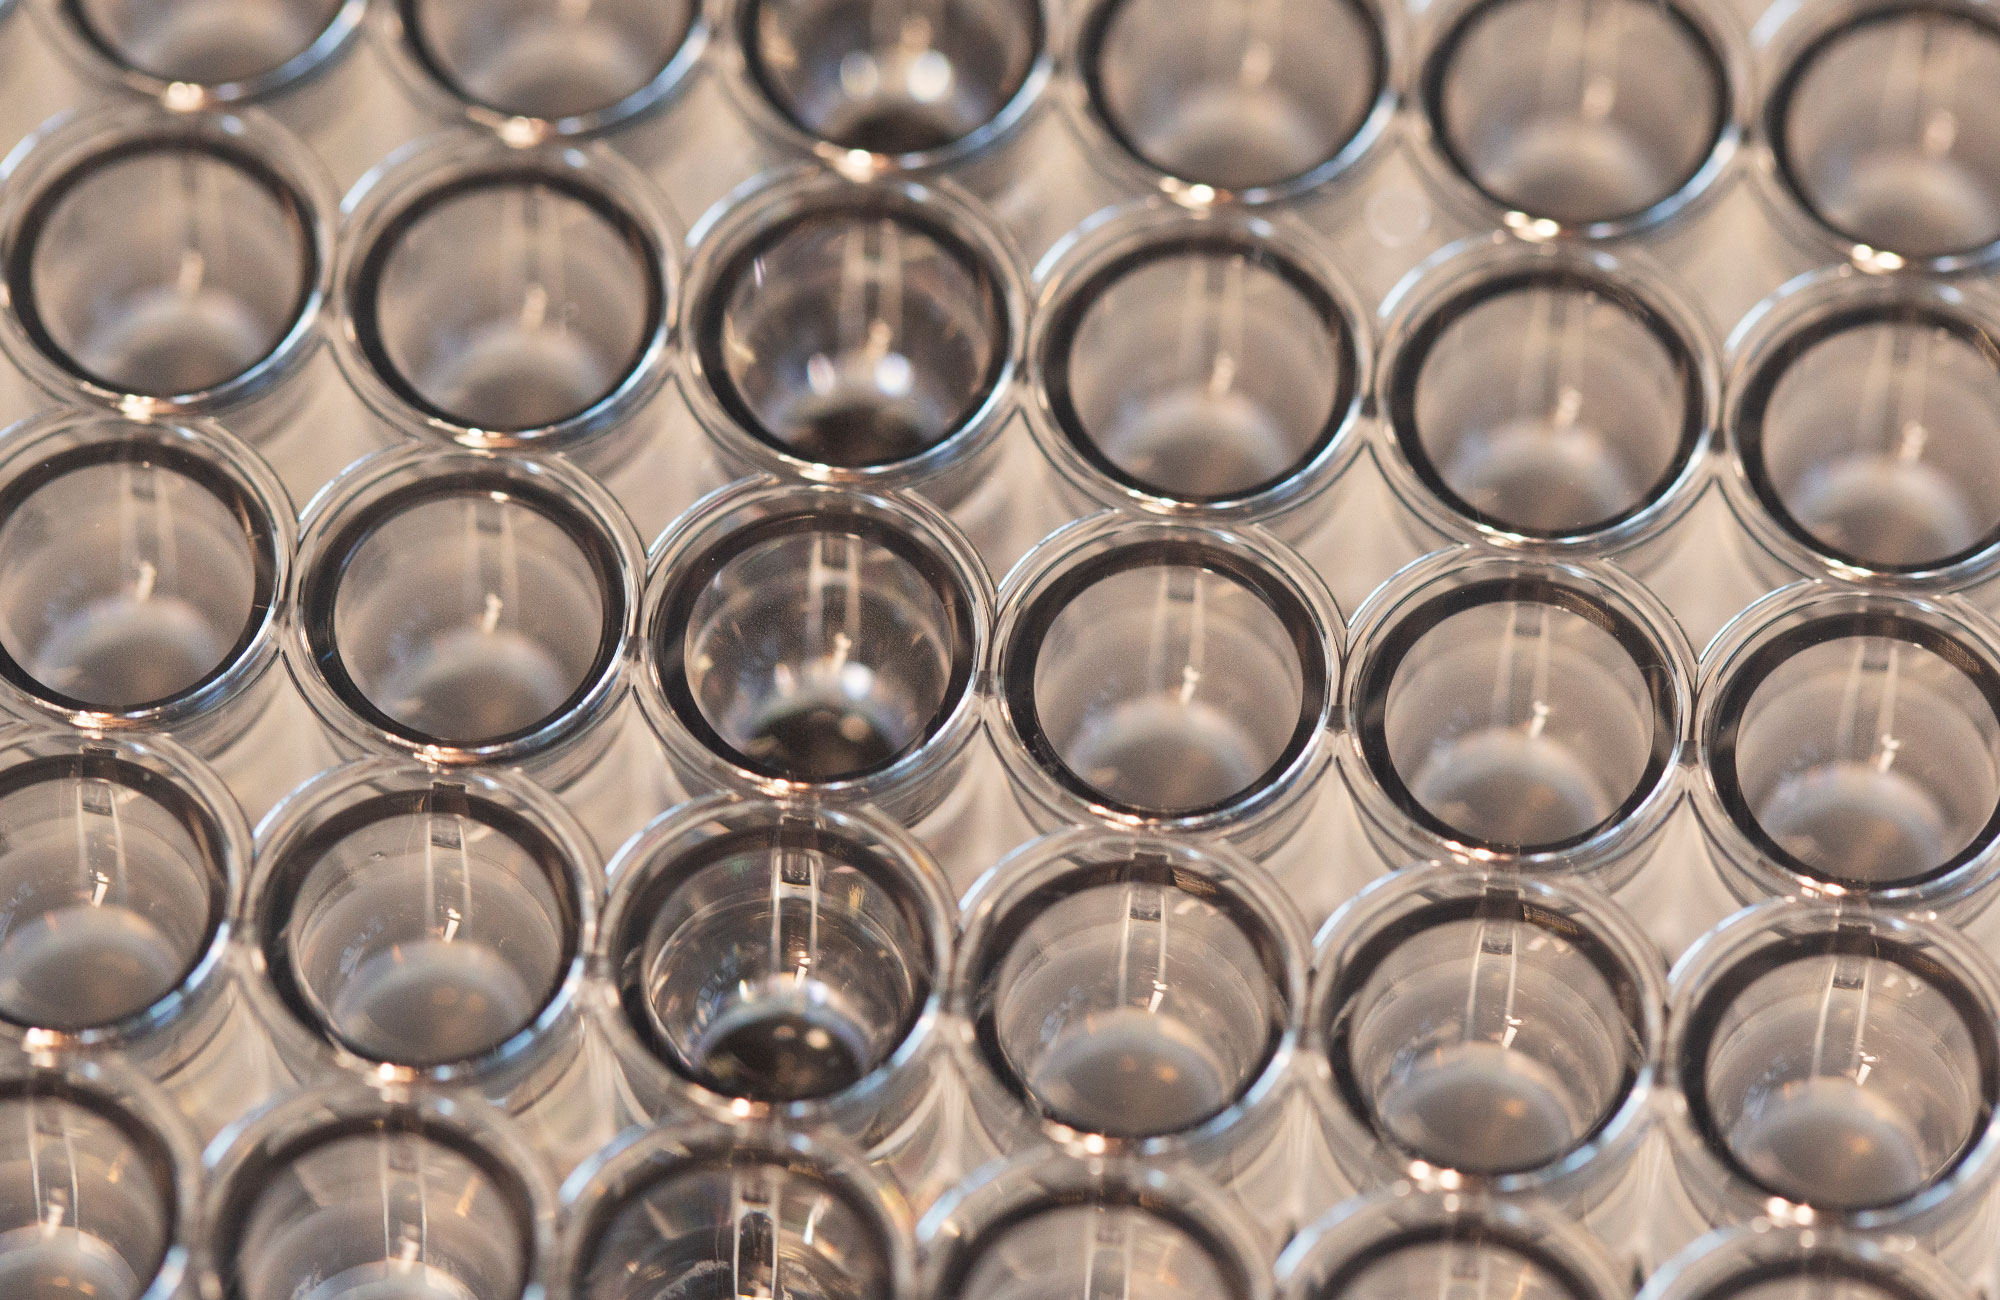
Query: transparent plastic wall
{"x": 985, "y": 649}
